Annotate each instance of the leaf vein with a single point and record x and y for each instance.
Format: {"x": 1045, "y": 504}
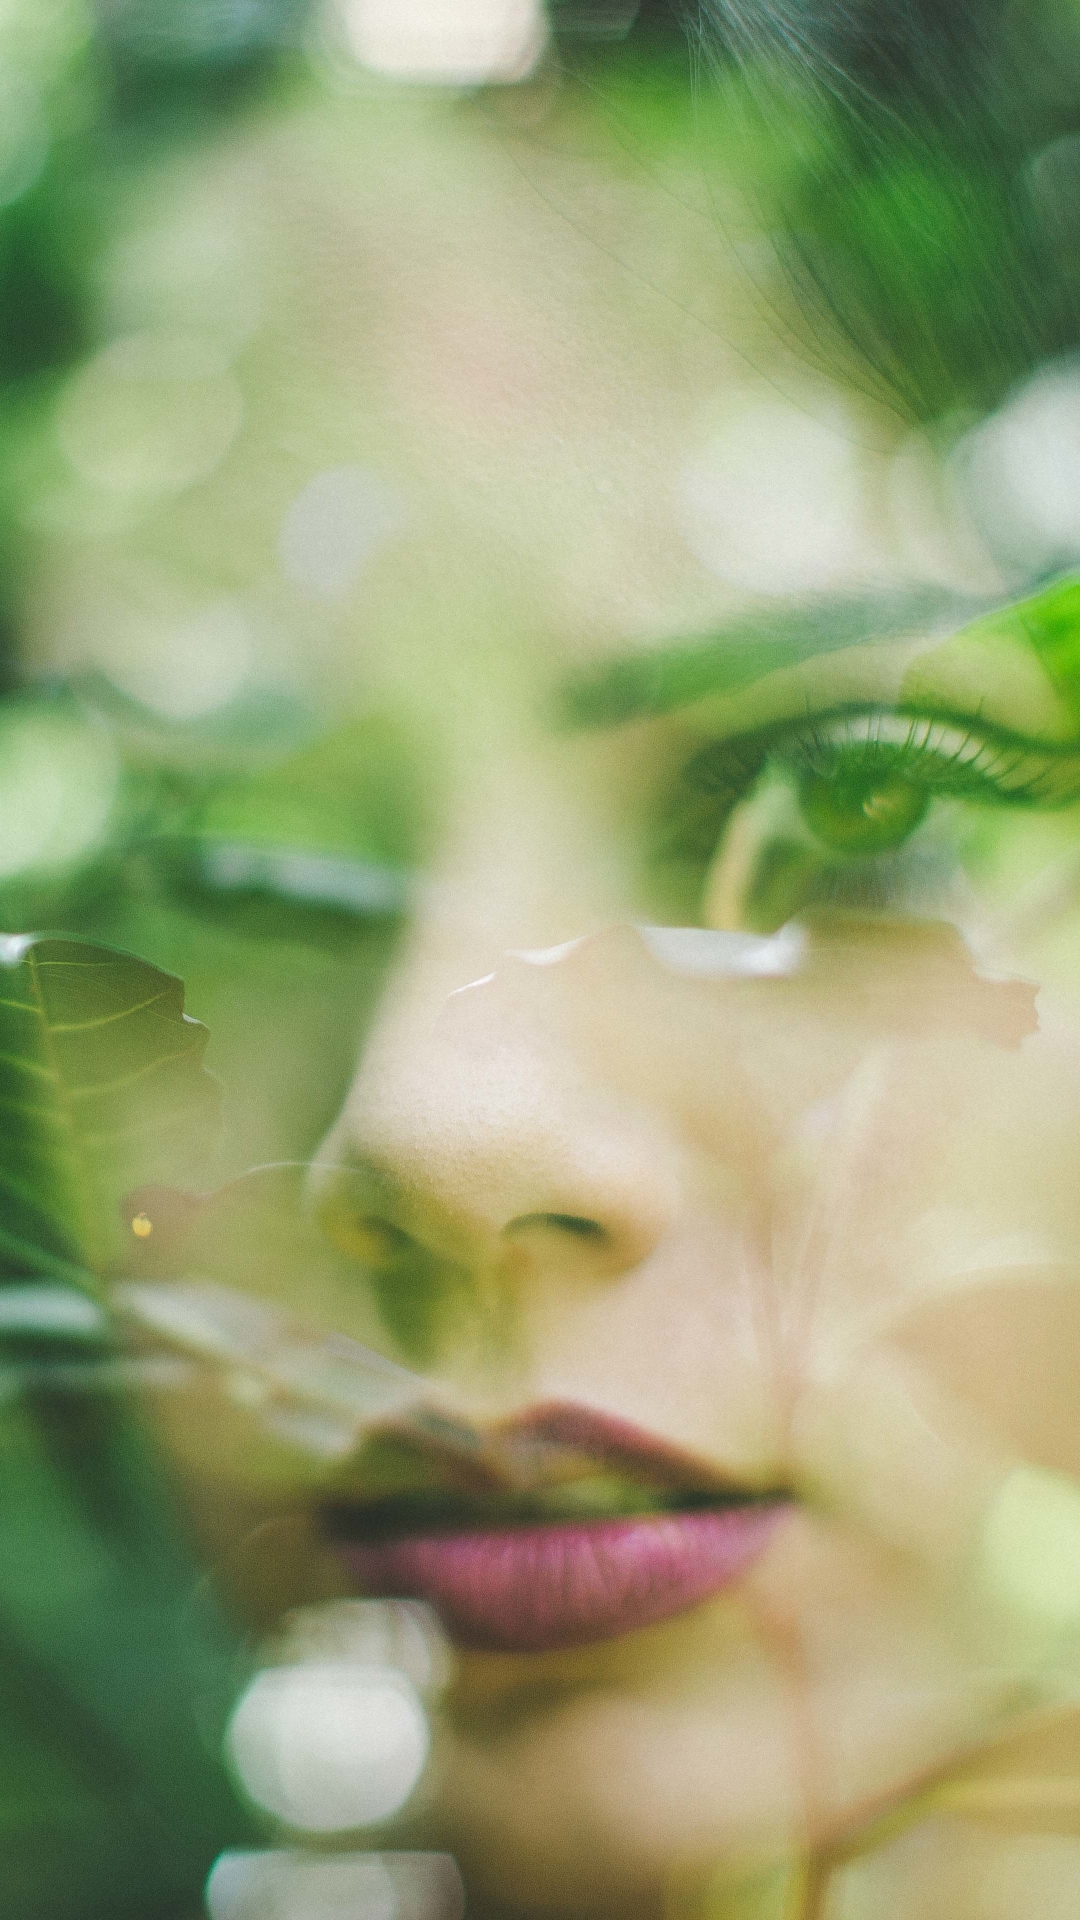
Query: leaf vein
{"x": 104, "y": 1019}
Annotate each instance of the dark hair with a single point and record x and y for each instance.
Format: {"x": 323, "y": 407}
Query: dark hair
{"x": 893, "y": 142}
{"x": 916, "y": 229}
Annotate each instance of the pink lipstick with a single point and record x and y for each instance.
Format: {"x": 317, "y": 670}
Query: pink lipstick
{"x": 573, "y": 1526}
{"x": 528, "y": 1589}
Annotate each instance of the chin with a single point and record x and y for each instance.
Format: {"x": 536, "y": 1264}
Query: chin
{"x": 711, "y": 1750}
{"x": 597, "y": 1782}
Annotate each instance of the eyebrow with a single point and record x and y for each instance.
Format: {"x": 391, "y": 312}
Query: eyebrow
{"x": 641, "y": 686}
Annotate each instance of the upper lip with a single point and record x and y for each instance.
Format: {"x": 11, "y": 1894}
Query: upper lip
{"x": 555, "y": 1459}
{"x": 556, "y": 1456}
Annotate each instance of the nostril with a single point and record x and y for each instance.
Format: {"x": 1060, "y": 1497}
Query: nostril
{"x": 419, "y": 1294}
{"x": 614, "y": 1243}
{"x": 571, "y": 1223}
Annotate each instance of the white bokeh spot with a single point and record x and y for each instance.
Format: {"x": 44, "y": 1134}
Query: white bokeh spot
{"x": 331, "y": 1747}
{"x": 283, "y": 1884}
{"x": 182, "y": 669}
{"x": 446, "y": 42}
{"x": 402, "y": 1634}
{"x": 333, "y": 527}
{"x": 1021, "y": 470}
{"x": 775, "y": 499}
{"x": 58, "y": 781}
{"x": 150, "y": 414}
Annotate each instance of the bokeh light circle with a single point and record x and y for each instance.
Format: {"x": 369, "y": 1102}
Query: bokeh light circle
{"x": 289, "y": 1884}
{"x": 331, "y": 1747}
{"x": 150, "y": 414}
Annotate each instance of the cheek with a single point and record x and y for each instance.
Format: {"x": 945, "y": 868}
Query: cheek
{"x": 927, "y": 1174}
{"x": 1009, "y": 1353}
{"x": 981, "y": 1256}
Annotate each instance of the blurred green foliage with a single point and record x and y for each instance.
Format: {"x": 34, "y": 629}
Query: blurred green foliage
{"x": 109, "y": 1800}
{"x": 112, "y": 1803}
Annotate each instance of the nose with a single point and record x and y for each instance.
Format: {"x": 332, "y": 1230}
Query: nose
{"x": 478, "y": 1151}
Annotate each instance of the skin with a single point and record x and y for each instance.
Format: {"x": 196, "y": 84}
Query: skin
{"x": 837, "y": 1216}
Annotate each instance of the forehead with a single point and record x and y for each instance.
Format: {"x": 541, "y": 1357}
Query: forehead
{"x": 392, "y": 381}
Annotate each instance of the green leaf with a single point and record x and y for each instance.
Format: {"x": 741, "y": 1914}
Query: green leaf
{"x": 1046, "y": 623}
{"x": 1050, "y": 621}
{"x": 112, "y": 1804}
{"x": 101, "y": 1086}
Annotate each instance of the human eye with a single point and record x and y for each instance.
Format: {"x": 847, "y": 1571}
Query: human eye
{"x": 867, "y": 808}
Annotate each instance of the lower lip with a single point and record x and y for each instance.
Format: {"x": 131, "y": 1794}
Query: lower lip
{"x": 532, "y": 1589}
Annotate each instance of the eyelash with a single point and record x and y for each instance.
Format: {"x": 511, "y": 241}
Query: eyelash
{"x": 946, "y": 756}
{"x": 950, "y": 758}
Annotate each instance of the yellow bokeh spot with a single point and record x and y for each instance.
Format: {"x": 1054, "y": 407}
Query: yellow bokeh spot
{"x": 142, "y": 1226}
{"x": 1031, "y": 1547}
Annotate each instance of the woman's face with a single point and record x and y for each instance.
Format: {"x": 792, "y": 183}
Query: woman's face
{"x": 603, "y": 614}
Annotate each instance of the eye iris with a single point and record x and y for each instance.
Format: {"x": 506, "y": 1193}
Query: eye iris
{"x": 861, "y": 813}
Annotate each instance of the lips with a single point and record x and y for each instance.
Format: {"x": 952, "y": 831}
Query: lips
{"x": 586, "y": 1528}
